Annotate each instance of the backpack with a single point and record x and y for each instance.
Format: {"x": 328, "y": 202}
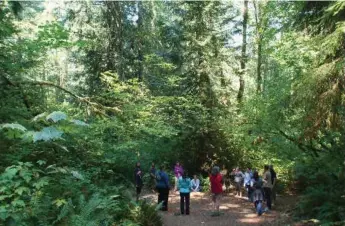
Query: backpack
{"x": 158, "y": 176}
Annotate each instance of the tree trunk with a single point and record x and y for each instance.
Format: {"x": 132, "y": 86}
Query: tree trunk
{"x": 258, "y": 22}
{"x": 243, "y": 52}
{"x": 140, "y": 42}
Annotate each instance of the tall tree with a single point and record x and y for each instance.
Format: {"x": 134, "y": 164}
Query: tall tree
{"x": 243, "y": 59}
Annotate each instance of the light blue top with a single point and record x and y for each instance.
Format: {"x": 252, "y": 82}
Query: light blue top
{"x": 184, "y": 185}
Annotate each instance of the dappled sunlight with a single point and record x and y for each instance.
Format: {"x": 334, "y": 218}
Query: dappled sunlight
{"x": 229, "y": 206}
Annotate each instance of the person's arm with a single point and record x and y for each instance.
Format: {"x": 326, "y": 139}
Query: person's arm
{"x": 197, "y": 184}
{"x": 167, "y": 180}
{"x": 264, "y": 178}
{"x": 274, "y": 179}
{"x": 135, "y": 177}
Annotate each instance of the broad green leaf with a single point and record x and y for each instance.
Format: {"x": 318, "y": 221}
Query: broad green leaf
{"x": 26, "y": 175}
{"x": 18, "y": 203}
{"x": 41, "y": 162}
{"x": 47, "y": 133}
{"x": 77, "y": 175}
{"x": 56, "y": 116}
{"x": 10, "y": 172}
{"x": 79, "y": 123}
{"x": 3, "y": 213}
{"x": 21, "y": 190}
{"x": 37, "y": 117}
{"x": 59, "y": 202}
{"x": 13, "y": 126}
{"x": 3, "y": 197}
{"x": 41, "y": 183}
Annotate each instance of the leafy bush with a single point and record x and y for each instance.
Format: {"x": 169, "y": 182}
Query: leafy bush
{"x": 143, "y": 213}
{"x": 322, "y": 189}
{"x": 21, "y": 188}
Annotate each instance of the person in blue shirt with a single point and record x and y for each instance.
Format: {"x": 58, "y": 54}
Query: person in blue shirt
{"x": 163, "y": 187}
{"x": 184, "y": 186}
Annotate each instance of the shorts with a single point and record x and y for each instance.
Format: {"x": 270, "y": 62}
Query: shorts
{"x": 238, "y": 186}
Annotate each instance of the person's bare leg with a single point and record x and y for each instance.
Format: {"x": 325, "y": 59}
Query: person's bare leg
{"x": 217, "y": 203}
{"x": 214, "y": 202}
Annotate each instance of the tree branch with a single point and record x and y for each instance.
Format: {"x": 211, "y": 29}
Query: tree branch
{"x": 96, "y": 106}
{"x": 302, "y": 146}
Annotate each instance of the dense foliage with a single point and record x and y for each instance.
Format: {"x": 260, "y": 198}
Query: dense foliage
{"x": 88, "y": 88}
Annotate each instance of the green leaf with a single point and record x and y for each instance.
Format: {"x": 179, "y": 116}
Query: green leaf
{"x": 37, "y": 117}
{"x": 77, "y": 175}
{"x": 59, "y": 202}
{"x": 47, "y": 133}
{"x": 18, "y": 203}
{"x": 3, "y": 213}
{"x": 41, "y": 162}
{"x": 79, "y": 123}
{"x": 10, "y": 172}
{"x": 26, "y": 175}
{"x": 3, "y": 197}
{"x": 13, "y": 126}
{"x": 41, "y": 183}
{"x": 21, "y": 190}
{"x": 56, "y": 116}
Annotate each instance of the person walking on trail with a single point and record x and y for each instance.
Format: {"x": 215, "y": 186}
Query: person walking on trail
{"x": 153, "y": 176}
{"x": 184, "y": 186}
{"x": 178, "y": 171}
{"x": 247, "y": 180}
{"x": 216, "y": 181}
{"x": 163, "y": 187}
{"x": 195, "y": 184}
{"x": 238, "y": 180}
{"x": 138, "y": 179}
{"x": 274, "y": 183}
{"x": 267, "y": 185}
{"x": 257, "y": 196}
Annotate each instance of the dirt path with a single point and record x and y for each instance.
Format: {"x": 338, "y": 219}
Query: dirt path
{"x": 237, "y": 211}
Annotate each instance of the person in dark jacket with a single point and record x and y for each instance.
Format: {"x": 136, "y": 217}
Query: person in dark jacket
{"x": 257, "y": 195}
{"x": 153, "y": 177}
{"x": 138, "y": 179}
{"x": 163, "y": 187}
{"x": 274, "y": 183}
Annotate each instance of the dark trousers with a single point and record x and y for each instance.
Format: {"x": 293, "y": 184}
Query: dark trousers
{"x": 185, "y": 197}
{"x": 163, "y": 196}
{"x": 267, "y": 192}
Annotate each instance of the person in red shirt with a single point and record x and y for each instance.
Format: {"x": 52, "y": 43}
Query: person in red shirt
{"x": 216, "y": 181}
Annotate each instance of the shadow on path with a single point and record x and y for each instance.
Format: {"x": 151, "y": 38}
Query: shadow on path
{"x": 237, "y": 211}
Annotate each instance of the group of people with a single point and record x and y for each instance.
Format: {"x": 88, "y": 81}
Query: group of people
{"x": 259, "y": 189}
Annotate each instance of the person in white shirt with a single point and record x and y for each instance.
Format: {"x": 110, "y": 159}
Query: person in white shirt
{"x": 195, "y": 184}
{"x": 247, "y": 180}
{"x": 238, "y": 180}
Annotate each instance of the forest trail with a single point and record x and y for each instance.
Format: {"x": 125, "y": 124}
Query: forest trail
{"x": 237, "y": 211}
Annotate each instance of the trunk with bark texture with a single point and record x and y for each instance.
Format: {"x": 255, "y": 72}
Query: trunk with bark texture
{"x": 243, "y": 52}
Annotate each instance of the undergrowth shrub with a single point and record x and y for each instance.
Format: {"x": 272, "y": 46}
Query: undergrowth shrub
{"x": 143, "y": 213}
{"x": 322, "y": 185}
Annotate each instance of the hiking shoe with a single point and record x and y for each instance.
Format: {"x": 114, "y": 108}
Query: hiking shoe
{"x": 215, "y": 214}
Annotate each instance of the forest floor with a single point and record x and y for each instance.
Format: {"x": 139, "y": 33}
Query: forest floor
{"x": 236, "y": 211}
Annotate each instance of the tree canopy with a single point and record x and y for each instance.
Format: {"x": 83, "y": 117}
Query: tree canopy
{"x": 88, "y": 88}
